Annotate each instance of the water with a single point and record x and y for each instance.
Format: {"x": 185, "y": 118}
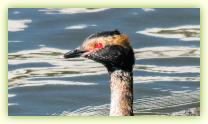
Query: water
{"x": 166, "y": 73}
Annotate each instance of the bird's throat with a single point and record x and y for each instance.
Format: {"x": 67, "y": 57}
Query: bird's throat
{"x": 121, "y": 93}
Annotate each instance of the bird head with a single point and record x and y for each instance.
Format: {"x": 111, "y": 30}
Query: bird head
{"x": 110, "y": 48}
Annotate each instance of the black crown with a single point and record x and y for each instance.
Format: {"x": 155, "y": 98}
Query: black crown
{"x": 105, "y": 34}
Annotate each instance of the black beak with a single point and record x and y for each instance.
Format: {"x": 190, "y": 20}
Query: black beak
{"x": 74, "y": 53}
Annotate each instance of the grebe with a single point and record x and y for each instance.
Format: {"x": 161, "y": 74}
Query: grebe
{"x": 114, "y": 51}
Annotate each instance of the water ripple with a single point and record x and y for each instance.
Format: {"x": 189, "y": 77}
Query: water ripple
{"x": 150, "y": 105}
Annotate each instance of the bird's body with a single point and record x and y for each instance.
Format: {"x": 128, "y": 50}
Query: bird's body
{"x": 113, "y": 50}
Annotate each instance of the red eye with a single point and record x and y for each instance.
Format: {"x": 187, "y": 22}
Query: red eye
{"x": 99, "y": 45}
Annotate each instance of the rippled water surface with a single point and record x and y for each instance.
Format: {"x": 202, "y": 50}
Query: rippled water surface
{"x": 166, "y": 43}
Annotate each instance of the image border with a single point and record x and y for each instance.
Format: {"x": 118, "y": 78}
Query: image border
{"x": 96, "y": 119}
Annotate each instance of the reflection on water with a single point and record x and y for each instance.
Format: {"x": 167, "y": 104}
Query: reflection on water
{"x": 186, "y": 33}
{"x": 145, "y": 106}
{"x": 41, "y": 82}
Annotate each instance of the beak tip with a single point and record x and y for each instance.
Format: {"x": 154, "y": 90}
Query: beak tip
{"x": 73, "y": 54}
{"x": 66, "y": 56}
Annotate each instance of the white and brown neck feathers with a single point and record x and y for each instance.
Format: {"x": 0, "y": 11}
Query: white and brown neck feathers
{"x": 121, "y": 93}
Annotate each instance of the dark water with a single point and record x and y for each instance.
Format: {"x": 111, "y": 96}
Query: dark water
{"x": 166, "y": 73}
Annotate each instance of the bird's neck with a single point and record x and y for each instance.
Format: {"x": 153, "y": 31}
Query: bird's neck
{"x": 121, "y": 93}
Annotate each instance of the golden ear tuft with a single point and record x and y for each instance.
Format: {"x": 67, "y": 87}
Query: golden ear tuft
{"x": 122, "y": 40}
